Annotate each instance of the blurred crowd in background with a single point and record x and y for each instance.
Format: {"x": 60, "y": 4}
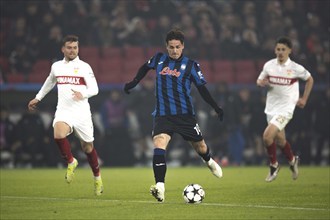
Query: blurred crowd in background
{"x": 214, "y": 29}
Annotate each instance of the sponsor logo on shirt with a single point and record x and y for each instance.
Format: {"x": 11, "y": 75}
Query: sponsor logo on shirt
{"x": 73, "y": 80}
{"x": 168, "y": 71}
{"x": 281, "y": 80}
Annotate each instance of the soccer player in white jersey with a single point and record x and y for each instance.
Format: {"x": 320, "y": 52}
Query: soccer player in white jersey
{"x": 75, "y": 83}
{"x": 281, "y": 77}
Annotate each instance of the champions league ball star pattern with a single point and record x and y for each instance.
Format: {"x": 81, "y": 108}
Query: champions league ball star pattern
{"x": 193, "y": 193}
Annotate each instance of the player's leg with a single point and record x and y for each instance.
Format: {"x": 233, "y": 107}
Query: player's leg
{"x": 204, "y": 152}
{"x": 92, "y": 158}
{"x": 160, "y": 142}
{"x": 84, "y": 130}
{"x": 61, "y": 131}
{"x": 269, "y": 143}
{"x": 287, "y": 151}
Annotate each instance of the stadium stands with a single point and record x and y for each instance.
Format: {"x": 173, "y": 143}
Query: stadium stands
{"x": 224, "y": 71}
{"x": 246, "y": 71}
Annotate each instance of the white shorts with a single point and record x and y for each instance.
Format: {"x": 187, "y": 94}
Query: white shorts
{"x": 80, "y": 125}
{"x": 279, "y": 121}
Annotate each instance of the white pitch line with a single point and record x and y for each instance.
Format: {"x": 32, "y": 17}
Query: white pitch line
{"x": 152, "y": 202}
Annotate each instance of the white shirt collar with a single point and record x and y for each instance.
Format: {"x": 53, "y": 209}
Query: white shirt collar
{"x": 74, "y": 60}
{"x": 287, "y": 62}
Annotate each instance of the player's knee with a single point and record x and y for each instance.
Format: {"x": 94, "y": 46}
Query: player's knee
{"x": 87, "y": 148}
{"x": 161, "y": 140}
{"x": 267, "y": 139}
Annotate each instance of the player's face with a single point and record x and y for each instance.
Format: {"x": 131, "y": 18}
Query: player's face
{"x": 174, "y": 49}
{"x": 70, "y": 50}
{"x": 282, "y": 52}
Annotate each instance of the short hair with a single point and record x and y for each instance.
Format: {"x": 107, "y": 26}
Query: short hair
{"x": 70, "y": 38}
{"x": 175, "y": 34}
{"x": 284, "y": 40}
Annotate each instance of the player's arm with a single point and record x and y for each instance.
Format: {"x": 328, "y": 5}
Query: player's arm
{"x": 308, "y": 88}
{"x": 142, "y": 72}
{"x": 204, "y": 92}
{"x": 262, "y": 82}
{"x": 48, "y": 85}
{"x": 92, "y": 88}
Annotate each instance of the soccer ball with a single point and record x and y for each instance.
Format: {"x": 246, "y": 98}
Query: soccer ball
{"x": 193, "y": 193}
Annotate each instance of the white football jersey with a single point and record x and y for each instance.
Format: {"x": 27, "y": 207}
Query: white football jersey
{"x": 283, "y": 93}
{"x": 73, "y": 75}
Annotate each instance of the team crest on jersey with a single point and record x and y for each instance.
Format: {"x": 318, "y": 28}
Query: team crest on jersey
{"x": 183, "y": 66}
{"x": 289, "y": 72}
{"x": 76, "y": 69}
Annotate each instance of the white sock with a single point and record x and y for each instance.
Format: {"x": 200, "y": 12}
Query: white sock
{"x": 161, "y": 185}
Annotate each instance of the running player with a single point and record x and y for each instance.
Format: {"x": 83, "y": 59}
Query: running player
{"x": 281, "y": 76}
{"x": 174, "y": 111}
{"x": 75, "y": 83}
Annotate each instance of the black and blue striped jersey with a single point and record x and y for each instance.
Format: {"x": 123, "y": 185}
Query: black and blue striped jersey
{"x": 173, "y": 84}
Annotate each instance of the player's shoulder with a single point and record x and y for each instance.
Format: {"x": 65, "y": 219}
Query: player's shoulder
{"x": 83, "y": 64}
{"x": 270, "y": 62}
{"x": 296, "y": 65}
{"x": 57, "y": 63}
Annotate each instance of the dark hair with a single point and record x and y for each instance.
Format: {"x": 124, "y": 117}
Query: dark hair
{"x": 70, "y": 38}
{"x": 284, "y": 40}
{"x": 175, "y": 34}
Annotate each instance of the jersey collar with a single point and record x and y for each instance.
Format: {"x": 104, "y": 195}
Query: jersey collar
{"x": 74, "y": 60}
{"x": 287, "y": 62}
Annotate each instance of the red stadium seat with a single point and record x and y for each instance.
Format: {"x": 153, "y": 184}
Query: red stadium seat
{"x": 110, "y": 70}
{"x": 41, "y": 67}
{"x": 94, "y": 63}
{"x": 131, "y": 53}
{"x": 223, "y": 71}
{"x": 151, "y": 51}
{"x": 4, "y": 64}
{"x": 260, "y": 65}
{"x": 246, "y": 72}
{"x": 38, "y": 78}
{"x": 15, "y": 78}
{"x": 111, "y": 52}
{"x": 131, "y": 67}
{"x": 87, "y": 52}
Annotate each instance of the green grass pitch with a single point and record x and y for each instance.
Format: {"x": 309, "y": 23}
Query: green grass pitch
{"x": 241, "y": 194}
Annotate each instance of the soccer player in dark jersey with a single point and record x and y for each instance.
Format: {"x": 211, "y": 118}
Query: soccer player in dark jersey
{"x": 174, "y": 111}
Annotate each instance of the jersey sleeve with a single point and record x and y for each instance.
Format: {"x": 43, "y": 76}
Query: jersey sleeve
{"x": 197, "y": 75}
{"x": 302, "y": 73}
{"x": 264, "y": 74}
{"x": 92, "y": 88}
{"x": 152, "y": 63}
{"x": 48, "y": 85}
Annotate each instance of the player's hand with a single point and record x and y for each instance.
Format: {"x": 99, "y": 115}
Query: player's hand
{"x": 32, "y": 106}
{"x": 77, "y": 95}
{"x": 130, "y": 85}
{"x": 301, "y": 103}
{"x": 220, "y": 113}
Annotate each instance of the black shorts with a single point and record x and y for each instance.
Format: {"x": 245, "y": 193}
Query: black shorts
{"x": 185, "y": 125}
